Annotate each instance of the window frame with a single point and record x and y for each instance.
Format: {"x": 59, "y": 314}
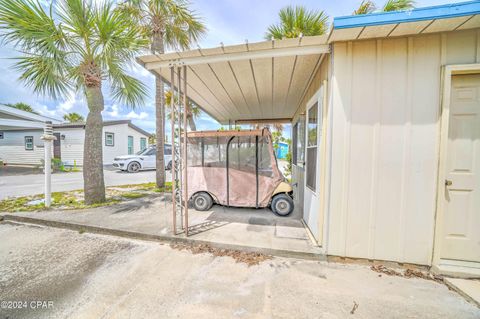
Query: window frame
{"x": 25, "y": 143}
{"x": 144, "y": 139}
{"x": 312, "y": 146}
{"x": 299, "y": 148}
{"x": 128, "y": 145}
{"x": 113, "y": 139}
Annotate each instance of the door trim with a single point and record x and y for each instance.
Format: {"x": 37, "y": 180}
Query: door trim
{"x": 322, "y": 156}
{"x": 447, "y": 72}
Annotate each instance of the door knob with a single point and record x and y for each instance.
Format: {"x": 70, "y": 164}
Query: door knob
{"x": 448, "y": 182}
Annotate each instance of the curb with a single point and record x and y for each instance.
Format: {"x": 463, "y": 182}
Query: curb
{"x": 161, "y": 238}
{"x": 461, "y": 292}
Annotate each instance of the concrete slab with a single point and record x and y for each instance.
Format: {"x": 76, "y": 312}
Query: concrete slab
{"x": 469, "y": 288}
{"x": 96, "y": 276}
{"x": 150, "y": 218}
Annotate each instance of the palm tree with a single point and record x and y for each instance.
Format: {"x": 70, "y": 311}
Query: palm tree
{"x": 84, "y": 45}
{"x": 73, "y": 117}
{"x": 298, "y": 21}
{"x": 367, "y": 6}
{"x": 396, "y": 5}
{"x": 193, "y": 111}
{"x": 168, "y": 24}
{"x": 21, "y": 106}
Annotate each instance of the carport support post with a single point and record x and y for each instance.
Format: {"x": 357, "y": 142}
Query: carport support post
{"x": 48, "y": 138}
{"x": 172, "y": 118}
{"x": 185, "y": 174}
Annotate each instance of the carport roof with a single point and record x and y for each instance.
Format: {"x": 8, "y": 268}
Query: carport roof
{"x": 263, "y": 80}
{"x": 266, "y": 81}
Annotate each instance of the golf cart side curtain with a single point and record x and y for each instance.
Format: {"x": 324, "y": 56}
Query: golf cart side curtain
{"x": 238, "y": 170}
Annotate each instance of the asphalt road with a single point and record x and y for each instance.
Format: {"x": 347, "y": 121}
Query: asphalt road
{"x": 53, "y": 273}
{"x": 22, "y": 185}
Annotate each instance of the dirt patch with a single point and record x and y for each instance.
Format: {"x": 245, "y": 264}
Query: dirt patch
{"x": 249, "y": 258}
{"x": 407, "y": 273}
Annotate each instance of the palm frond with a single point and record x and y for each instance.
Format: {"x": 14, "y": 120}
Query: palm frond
{"x": 45, "y": 75}
{"x": 125, "y": 88}
{"x": 182, "y": 26}
{"x": 26, "y": 25}
{"x": 116, "y": 37}
{"x": 366, "y": 7}
{"x": 396, "y": 5}
{"x": 73, "y": 117}
{"x": 21, "y": 106}
{"x": 298, "y": 21}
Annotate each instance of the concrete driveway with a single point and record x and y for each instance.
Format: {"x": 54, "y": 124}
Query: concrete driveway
{"x": 71, "y": 275}
{"x": 22, "y": 185}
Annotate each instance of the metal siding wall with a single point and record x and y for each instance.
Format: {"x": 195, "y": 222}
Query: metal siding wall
{"x": 12, "y": 148}
{"x": 384, "y": 166}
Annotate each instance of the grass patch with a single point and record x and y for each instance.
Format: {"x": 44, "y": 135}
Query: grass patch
{"x": 74, "y": 199}
{"x": 133, "y": 195}
{"x": 60, "y": 200}
{"x": 148, "y": 187}
{"x": 20, "y": 204}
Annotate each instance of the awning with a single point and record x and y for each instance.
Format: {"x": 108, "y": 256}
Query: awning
{"x": 442, "y": 18}
{"x": 252, "y": 81}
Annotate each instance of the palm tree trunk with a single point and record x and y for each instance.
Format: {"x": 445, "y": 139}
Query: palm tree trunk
{"x": 191, "y": 122}
{"x": 93, "y": 183}
{"x": 159, "y": 48}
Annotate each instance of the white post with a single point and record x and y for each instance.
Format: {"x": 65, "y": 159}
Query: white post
{"x": 48, "y": 138}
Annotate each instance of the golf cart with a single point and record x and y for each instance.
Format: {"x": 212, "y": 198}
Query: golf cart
{"x": 236, "y": 168}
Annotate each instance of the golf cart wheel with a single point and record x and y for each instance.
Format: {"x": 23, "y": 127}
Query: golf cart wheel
{"x": 282, "y": 205}
{"x": 202, "y": 201}
{"x": 133, "y": 167}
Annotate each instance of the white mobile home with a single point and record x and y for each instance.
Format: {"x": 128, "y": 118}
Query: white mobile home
{"x": 23, "y": 145}
{"x": 386, "y": 117}
{"x": 27, "y": 147}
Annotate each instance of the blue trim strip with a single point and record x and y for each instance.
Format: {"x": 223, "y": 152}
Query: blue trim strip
{"x": 427, "y": 13}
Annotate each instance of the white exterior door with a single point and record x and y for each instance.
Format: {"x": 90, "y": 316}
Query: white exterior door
{"x": 461, "y": 218}
{"x": 313, "y": 131}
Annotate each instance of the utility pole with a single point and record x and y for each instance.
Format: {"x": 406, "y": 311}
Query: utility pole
{"x": 48, "y": 139}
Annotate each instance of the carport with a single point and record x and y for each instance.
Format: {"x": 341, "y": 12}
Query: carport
{"x": 262, "y": 82}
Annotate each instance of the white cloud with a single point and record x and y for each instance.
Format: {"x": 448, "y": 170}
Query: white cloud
{"x": 141, "y": 116}
{"x": 112, "y": 111}
{"x": 68, "y": 103}
{"x": 43, "y": 110}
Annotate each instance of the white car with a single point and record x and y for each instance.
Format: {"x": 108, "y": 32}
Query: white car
{"x": 143, "y": 160}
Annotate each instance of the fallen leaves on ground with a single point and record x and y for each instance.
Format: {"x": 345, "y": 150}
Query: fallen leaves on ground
{"x": 249, "y": 258}
{"x": 407, "y": 273}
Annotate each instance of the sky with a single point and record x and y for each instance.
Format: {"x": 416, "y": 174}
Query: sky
{"x": 227, "y": 21}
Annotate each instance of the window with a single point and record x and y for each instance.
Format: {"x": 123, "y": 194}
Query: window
{"x": 167, "y": 149}
{"x": 143, "y": 143}
{"x": 298, "y": 148}
{"x": 151, "y": 151}
{"x": 1, "y": 135}
{"x": 264, "y": 158}
{"x": 294, "y": 143}
{"x": 29, "y": 143}
{"x": 312, "y": 132}
{"x": 109, "y": 139}
{"x": 130, "y": 145}
{"x": 241, "y": 154}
